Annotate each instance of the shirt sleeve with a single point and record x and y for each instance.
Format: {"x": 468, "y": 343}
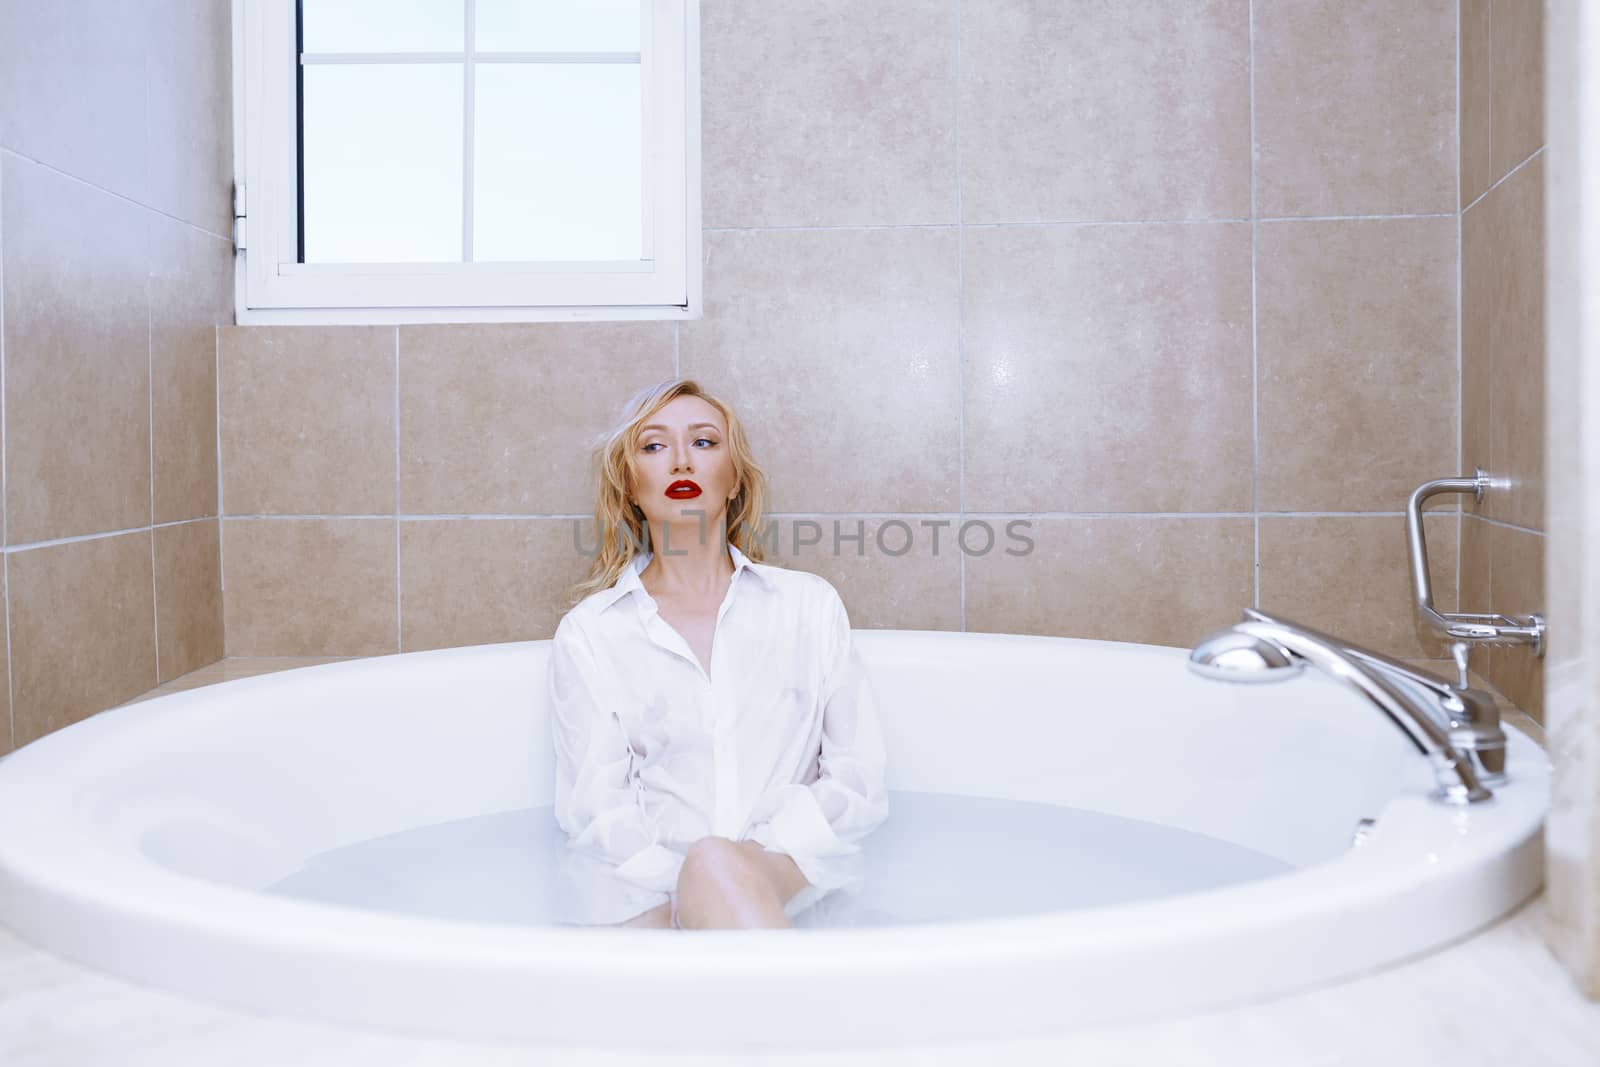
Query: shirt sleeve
{"x": 596, "y": 799}
{"x": 819, "y": 825}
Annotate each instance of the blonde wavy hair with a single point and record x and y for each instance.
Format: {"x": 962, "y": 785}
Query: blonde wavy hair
{"x": 621, "y": 525}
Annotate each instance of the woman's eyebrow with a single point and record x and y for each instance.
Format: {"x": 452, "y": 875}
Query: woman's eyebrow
{"x": 692, "y": 426}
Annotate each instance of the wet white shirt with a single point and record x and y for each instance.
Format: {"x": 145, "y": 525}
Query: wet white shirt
{"x": 779, "y": 744}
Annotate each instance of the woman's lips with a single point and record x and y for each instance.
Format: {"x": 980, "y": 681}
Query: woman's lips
{"x": 683, "y": 490}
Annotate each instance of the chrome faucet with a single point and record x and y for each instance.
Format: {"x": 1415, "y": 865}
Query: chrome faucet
{"x": 1457, "y": 728}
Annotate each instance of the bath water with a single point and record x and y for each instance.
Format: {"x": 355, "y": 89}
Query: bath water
{"x": 937, "y": 857}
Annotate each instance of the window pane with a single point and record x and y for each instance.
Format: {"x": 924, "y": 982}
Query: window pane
{"x": 558, "y": 25}
{"x": 556, "y": 173}
{"x": 384, "y": 26}
{"x": 383, "y": 163}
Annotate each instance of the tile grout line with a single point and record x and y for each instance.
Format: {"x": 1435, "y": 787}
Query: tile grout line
{"x": 1489, "y": 118}
{"x": 1507, "y": 176}
{"x": 1255, "y": 358}
{"x": 111, "y": 192}
{"x": 150, "y": 373}
{"x": 222, "y": 555}
{"x": 150, "y": 417}
{"x": 1082, "y": 222}
{"x": 923, "y": 515}
{"x": 399, "y": 631}
{"x": 961, "y": 330}
{"x": 5, "y": 569}
{"x": 1506, "y": 525}
{"x": 1488, "y": 653}
{"x": 1483, "y": 664}
{"x": 1461, "y": 312}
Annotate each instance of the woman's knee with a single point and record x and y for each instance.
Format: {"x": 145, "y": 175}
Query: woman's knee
{"x": 717, "y": 859}
{"x": 722, "y": 885}
{"x": 719, "y": 862}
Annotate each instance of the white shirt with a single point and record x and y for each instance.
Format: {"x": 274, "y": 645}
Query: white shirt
{"x": 779, "y": 744}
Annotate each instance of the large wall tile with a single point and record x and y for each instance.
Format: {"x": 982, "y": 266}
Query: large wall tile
{"x": 1152, "y": 579}
{"x": 309, "y": 587}
{"x": 893, "y": 572}
{"x": 77, "y": 352}
{"x": 1105, "y": 111}
{"x": 1355, "y": 107}
{"x": 1517, "y": 43}
{"x": 190, "y": 85}
{"x": 500, "y": 418}
{"x": 1518, "y": 583}
{"x": 1503, "y": 342}
{"x": 1356, "y": 350}
{"x": 1476, "y": 593}
{"x": 838, "y": 349}
{"x": 72, "y": 89}
{"x": 1478, "y": 285}
{"x": 1107, "y": 368}
{"x": 1502, "y": 570}
{"x": 834, "y": 113}
{"x": 1351, "y": 577}
{"x": 307, "y": 419}
{"x": 188, "y": 596}
{"x": 482, "y": 581}
{"x": 82, "y": 630}
{"x": 1477, "y": 95}
{"x": 191, "y": 291}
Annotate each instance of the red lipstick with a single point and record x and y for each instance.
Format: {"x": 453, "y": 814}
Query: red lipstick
{"x": 683, "y": 490}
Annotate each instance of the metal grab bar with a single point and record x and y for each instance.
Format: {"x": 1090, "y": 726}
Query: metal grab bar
{"x": 1461, "y": 627}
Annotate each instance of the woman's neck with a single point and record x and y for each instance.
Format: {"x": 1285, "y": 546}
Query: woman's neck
{"x": 687, "y": 564}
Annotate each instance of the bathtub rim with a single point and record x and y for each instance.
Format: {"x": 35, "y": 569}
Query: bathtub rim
{"x": 52, "y": 898}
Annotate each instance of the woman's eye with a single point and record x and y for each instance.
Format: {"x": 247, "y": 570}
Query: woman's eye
{"x": 657, "y": 444}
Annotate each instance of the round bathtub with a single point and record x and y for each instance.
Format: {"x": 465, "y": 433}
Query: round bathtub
{"x": 140, "y": 842}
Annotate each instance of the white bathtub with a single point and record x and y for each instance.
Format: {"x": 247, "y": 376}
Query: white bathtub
{"x": 138, "y": 841}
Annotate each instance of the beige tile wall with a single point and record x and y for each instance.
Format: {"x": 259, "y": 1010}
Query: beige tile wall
{"x": 1175, "y": 288}
{"x": 1120, "y": 276}
{"x": 115, "y": 267}
{"x": 1503, "y": 325}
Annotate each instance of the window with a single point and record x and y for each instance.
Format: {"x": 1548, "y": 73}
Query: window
{"x": 466, "y": 160}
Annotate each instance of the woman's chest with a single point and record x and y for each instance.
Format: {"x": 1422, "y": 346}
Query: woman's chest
{"x": 765, "y": 680}
{"x": 695, "y": 623}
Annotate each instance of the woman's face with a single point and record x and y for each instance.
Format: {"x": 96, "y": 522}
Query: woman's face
{"x": 684, "y": 442}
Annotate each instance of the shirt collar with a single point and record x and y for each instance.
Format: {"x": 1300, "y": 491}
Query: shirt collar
{"x": 629, "y": 581}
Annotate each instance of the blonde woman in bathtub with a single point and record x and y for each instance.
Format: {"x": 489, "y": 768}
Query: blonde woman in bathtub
{"x": 701, "y": 790}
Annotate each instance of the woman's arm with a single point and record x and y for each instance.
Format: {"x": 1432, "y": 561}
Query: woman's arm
{"x": 595, "y": 798}
{"x": 824, "y": 820}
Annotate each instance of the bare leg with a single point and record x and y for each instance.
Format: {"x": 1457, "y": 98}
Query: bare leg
{"x": 726, "y": 884}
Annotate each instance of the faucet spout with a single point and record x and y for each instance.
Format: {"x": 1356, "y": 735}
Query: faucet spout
{"x": 1407, "y": 704}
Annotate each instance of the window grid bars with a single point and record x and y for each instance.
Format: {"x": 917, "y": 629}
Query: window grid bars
{"x": 469, "y": 57}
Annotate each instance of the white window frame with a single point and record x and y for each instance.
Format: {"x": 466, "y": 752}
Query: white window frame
{"x": 271, "y": 286}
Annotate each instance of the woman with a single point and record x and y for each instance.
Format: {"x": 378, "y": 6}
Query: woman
{"x": 718, "y": 752}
